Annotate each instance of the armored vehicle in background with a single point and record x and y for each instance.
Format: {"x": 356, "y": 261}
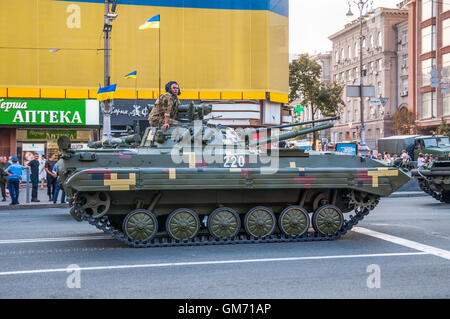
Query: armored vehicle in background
{"x": 434, "y": 179}
{"x": 201, "y": 184}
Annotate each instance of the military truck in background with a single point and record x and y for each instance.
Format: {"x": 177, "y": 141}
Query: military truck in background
{"x": 436, "y": 146}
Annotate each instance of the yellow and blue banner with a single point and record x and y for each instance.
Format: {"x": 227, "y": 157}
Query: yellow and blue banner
{"x": 106, "y": 93}
{"x": 132, "y": 75}
{"x": 152, "y": 23}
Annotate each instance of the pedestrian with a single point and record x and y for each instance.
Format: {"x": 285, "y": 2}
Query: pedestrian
{"x": 15, "y": 173}
{"x": 3, "y": 176}
{"x": 405, "y": 154}
{"x": 51, "y": 176}
{"x": 34, "y": 177}
{"x": 166, "y": 107}
{"x": 57, "y": 187}
{"x": 42, "y": 173}
{"x": 420, "y": 160}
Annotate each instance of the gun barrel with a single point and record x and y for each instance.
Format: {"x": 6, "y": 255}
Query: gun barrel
{"x": 298, "y": 124}
{"x": 289, "y": 135}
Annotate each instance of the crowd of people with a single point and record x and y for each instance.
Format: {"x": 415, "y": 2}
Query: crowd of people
{"x": 403, "y": 158}
{"x": 42, "y": 172}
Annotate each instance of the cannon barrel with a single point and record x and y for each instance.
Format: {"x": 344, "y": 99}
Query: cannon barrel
{"x": 130, "y": 139}
{"x": 298, "y": 124}
{"x": 289, "y": 135}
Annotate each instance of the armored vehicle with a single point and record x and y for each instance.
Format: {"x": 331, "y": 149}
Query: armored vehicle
{"x": 201, "y": 184}
{"x": 434, "y": 179}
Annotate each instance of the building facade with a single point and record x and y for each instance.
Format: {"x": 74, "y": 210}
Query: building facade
{"x": 380, "y": 61}
{"x": 429, "y": 51}
{"x": 233, "y": 54}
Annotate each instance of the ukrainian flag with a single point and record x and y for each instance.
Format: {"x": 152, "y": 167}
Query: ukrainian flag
{"x": 152, "y": 23}
{"x": 131, "y": 75}
{"x": 106, "y": 93}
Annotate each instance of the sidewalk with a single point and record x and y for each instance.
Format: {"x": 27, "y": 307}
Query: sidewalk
{"x": 42, "y": 196}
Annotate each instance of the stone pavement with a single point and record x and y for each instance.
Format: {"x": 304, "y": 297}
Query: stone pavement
{"x": 42, "y": 196}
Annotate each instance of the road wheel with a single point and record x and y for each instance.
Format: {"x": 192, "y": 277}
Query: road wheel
{"x": 140, "y": 224}
{"x": 224, "y": 223}
{"x": 294, "y": 221}
{"x": 182, "y": 224}
{"x": 327, "y": 220}
{"x": 260, "y": 222}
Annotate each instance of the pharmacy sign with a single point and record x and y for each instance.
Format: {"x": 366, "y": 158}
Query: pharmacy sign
{"x": 49, "y": 112}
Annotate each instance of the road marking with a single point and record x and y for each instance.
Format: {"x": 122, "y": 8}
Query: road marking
{"x": 404, "y": 242}
{"x": 211, "y": 262}
{"x": 57, "y": 239}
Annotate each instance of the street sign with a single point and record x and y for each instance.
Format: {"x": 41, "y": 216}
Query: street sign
{"x": 434, "y": 80}
{"x": 353, "y": 91}
{"x": 383, "y": 101}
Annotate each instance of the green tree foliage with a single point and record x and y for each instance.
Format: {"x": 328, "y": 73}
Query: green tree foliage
{"x": 443, "y": 129}
{"x": 404, "y": 122}
{"x": 305, "y": 84}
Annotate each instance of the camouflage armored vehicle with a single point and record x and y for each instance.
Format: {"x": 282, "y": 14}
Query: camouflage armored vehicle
{"x": 200, "y": 184}
{"x": 434, "y": 179}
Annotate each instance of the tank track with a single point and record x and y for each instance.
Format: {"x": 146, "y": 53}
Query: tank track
{"x": 105, "y": 225}
{"x": 443, "y": 197}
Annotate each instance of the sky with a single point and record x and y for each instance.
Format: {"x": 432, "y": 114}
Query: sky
{"x": 311, "y": 22}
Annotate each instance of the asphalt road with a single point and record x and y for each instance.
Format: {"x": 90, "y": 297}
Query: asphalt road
{"x": 401, "y": 250}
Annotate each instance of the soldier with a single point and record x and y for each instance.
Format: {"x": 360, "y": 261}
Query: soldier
{"x": 166, "y": 107}
{"x": 3, "y": 176}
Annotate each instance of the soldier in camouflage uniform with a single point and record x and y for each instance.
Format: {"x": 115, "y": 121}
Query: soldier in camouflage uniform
{"x": 3, "y": 176}
{"x": 166, "y": 107}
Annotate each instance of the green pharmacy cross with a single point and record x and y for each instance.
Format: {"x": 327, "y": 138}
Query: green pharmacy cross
{"x": 299, "y": 109}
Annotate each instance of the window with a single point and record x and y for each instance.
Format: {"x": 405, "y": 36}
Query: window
{"x": 429, "y": 105}
{"x": 429, "y": 39}
{"x": 404, "y": 61}
{"x": 342, "y": 54}
{"x": 446, "y": 32}
{"x": 380, "y": 40}
{"x": 380, "y": 65}
{"x": 349, "y": 52}
{"x": 371, "y": 42}
{"x": 356, "y": 49}
{"x": 427, "y": 65}
{"x": 428, "y": 9}
{"x": 445, "y": 6}
{"x": 445, "y": 75}
{"x": 405, "y": 85}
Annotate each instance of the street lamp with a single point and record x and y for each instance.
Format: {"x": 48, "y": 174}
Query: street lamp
{"x": 362, "y": 5}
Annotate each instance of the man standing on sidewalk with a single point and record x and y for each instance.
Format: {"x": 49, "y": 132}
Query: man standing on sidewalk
{"x": 34, "y": 171}
{"x": 3, "y": 176}
{"x": 51, "y": 176}
{"x": 15, "y": 172}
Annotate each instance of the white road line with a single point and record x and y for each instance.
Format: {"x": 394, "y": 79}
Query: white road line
{"x": 404, "y": 242}
{"x": 211, "y": 262}
{"x": 57, "y": 239}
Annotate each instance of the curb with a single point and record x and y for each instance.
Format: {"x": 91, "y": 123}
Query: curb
{"x": 408, "y": 194}
{"x": 33, "y": 206}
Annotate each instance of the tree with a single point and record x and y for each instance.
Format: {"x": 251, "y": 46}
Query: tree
{"x": 305, "y": 84}
{"x": 443, "y": 129}
{"x": 404, "y": 122}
